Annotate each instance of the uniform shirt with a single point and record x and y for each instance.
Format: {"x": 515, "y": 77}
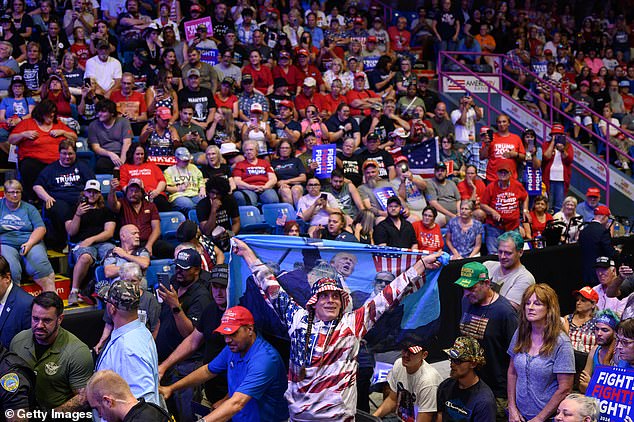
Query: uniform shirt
{"x": 17, "y": 384}
{"x": 63, "y": 369}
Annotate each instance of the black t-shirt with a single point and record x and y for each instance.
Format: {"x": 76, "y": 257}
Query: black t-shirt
{"x": 600, "y": 98}
{"x": 493, "y": 326}
{"x": 221, "y": 28}
{"x": 351, "y": 167}
{"x": 382, "y": 157}
{"x": 209, "y": 321}
{"x": 377, "y": 76}
{"x": 288, "y": 169}
{"x": 274, "y": 103}
{"x": 56, "y": 46}
{"x": 34, "y": 74}
{"x": 75, "y": 77}
{"x": 224, "y": 215}
{"x": 92, "y": 223}
{"x": 16, "y": 42}
{"x": 386, "y": 232}
{"x": 472, "y": 404}
{"x": 223, "y": 171}
{"x": 385, "y": 126}
{"x": 334, "y": 125}
{"x": 65, "y": 183}
{"x": 143, "y": 76}
{"x": 146, "y": 412}
{"x": 446, "y": 24}
{"x": 281, "y": 133}
{"x": 202, "y": 100}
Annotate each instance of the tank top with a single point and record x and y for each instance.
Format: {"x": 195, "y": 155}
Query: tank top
{"x": 165, "y": 102}
{"x": 160, "y": 145}
{"x": 582, "y": 337}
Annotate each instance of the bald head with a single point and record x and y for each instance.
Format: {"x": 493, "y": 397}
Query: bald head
{"x": 109, "y": 395}
{"x": 130, "y": 237}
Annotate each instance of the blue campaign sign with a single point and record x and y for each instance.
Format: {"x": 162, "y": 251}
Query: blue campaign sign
{"x": 383, "y": 194}
{"x": 614, "y": 388}
{"x": 326, "y": 158}
{"x": 209, "y": 56}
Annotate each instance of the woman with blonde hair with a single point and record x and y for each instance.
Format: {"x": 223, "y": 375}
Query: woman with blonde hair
{"x": 213, "y": 164}
{"x": 162, "y": 94}
{"x": 571, "y": 218}
{"x": 542, "y": 367}
{"x": 336, "y": 71}
{"x": 578, "y": 408}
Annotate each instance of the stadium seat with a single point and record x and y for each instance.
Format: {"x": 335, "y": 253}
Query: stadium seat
{"x": 251, "y": 220}
{"x": 271, "y": 212}
{"x": 191, "y": 215}
{"x": 88, "y": 157}
{"x": 158, "y": 266}
{"x": 104, "y": 179}
{"x": 170, "y": 220}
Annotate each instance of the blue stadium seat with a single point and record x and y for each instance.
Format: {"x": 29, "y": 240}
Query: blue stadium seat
{"x": 104, "y": 179}
{"x": 251, "y": 220}
{"x": 158, "y": 266}
{"x": 88, "y": 157}
{"x": 271, "y": 212}
{"x": 191, "y": 215}
{"x": 170, "y": 220}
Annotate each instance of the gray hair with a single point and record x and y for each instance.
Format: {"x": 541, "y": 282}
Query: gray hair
{"x": 588, "y": 406}
{"x": 130, "y": 271}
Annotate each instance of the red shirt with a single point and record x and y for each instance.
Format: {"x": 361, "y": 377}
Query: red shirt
{"x": 628, "y": 101}
{"x": 537, "y": 228}
{"x": 132, "y": 105}
{"x": 497, "y": 148}
{"x": 466, "y": 191}
{"x": 313, "y": 72}
{"x": 82, "y": 52}
{"x": 254, "y": 174}
{"x": 399, "y": 39}
{"x": 302, "y": 101}
{"x": 63, "y": 105}
{"x": 330, "y": 104}
{"x": 149, "y": 173}
{"x": 143, "y": 219}
{"x": 507, "y": 202}
{"x": 228, "y": 103}
{"x": 293, "y": 76}
{"x": 359, "y": 95}
{"x": 262, "y": 79}
{"x": 428, "y": 239}
{"x": 44, "y": 147}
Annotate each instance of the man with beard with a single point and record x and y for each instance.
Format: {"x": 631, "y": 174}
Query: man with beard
{"x": 201, "y": 98}
{"x": 220, "y": 22}
{"x": 104, "y": 69}
{"x": 380, "y": 156}
{"x": 345, "y": 193}
{"x": 464, "y": 393}
{"x": 491, "y": 320}
{"x": 283, "y": 125}
{"x": 129, "y": 251}
{"x": 208, "y": 76}
{"x": 109, "y": 136}
{"x": 443, "y": 194}
{"x": 131, "y": 350}
{"x": 395, "y": 230}
{"x": 183, "y": 303}
{"x": 605, "y": 322}
{"x": 372, "y": 181}
{"x": 62, "y": 363}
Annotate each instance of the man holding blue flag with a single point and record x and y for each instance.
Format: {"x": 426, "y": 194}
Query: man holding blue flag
{"x": 325, "y": 339}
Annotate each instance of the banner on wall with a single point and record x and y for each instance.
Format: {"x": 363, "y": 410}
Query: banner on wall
{"x": 298, "y": 262}
{"x": 614, "y": 388}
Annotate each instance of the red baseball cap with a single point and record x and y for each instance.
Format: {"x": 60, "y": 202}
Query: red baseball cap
{"x": 505, "y": 165}
{"x": 286, "y": 103}
{"x": 557, "y": 129}
{"x": 358, "y": 20}
{"x": 164, "y": 113}
{"x": 593, "y": 192}
{"x": 302, "y": 52}
{"x": 371, "y": 38}
{"x": 233, "y": 319}
{"x": 588, "y": 292}
{"x": 359, "y": 75}
{"x": 602, "y": 210}
{"x": 483, "y": 129}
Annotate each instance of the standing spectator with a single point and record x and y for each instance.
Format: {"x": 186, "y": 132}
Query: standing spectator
{"x": 503, "y": 215}
{"x": 510, "y": 276}
{"x": 110, "y": 137}
{"x": 413, "y": 385}
{"x": 184, "y": 182}
{"x": 254, "y": 178}
{"x": 15, "y": 312}
{"x": 595, "y": 241}
{"x": 59, "y": 186}
{"x": 440, "y": 121}
{"x": 539, "y": 346}
{"x": 489, "y": 318}
{"x": 465, "y": 393}
{"x": 443, "y": 195}
{"x": 446, "y": 28}
{"x": 557, "y": 166}
{"x": 395, "y": 230}
{"x": 464, "y": 119}
{"x": 69, "y": 356}
{"x": 428, "y": 234}
{"x": 505, "y": 147}
{"x": 38, "y": 140}
{"x": 21, "y": 233}
{"x": 464, "y": 233}
{"x": 400, "y": 36}
{"x": 90, "y": 230}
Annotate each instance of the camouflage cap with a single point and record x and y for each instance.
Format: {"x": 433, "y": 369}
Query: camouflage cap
{"x": 467, "y": 349}
{"x": 123, "y": 295}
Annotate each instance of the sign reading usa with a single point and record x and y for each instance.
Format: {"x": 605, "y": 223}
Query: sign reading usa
{"x": 614, "y": 388}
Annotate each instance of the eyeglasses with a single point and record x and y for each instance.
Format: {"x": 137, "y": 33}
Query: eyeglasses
{"x": 457, "y": 361}
{"x": 313, "y": 184}
{"x": 14, "y": 192}
{"x": 625, "y": 342}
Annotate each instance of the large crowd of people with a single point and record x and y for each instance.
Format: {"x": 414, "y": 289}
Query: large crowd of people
{"x": 204, "y": 107}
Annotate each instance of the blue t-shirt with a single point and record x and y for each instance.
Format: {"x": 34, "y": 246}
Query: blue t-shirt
{"x": 261, "y": 375}
{"x": 13, "y": 107}
{"x": 16, "y": 226}
{"x": 65, "y": 183}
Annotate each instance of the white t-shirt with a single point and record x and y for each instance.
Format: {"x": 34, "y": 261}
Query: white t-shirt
{"x": 513, "y": 284}
{"x": 416, "y": 393}
{"x": 320, "y": 217}
{"x": 605, "y": 302}
{"x": 104, "y": 73}
{"x": 557, "y": 168}
{"x": 464, "y": 132}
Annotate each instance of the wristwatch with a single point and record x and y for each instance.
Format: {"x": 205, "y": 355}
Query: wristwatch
{"x": 176, "y": 310}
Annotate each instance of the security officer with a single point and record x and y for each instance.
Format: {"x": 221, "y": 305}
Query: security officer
{"x": 17, "y": 387}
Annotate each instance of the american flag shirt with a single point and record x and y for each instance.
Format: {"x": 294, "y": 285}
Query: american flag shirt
{"x": 328, "y": 390}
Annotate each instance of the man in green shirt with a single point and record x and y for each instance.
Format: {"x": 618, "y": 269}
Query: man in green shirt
{"x": 62, "y": 363}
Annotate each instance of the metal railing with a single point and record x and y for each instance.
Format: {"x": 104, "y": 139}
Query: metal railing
{"x": 466, "y": 70}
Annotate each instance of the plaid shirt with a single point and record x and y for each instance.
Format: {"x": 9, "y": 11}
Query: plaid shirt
{"x": 514, "y": 60}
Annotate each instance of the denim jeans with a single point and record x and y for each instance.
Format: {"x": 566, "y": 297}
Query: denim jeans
{"x": 248, "y": 197}
{"x": 185, "y": 203}
{"x": 36, "y": 262}
{"x": 556, "y": 195}
{"x": 491, "y": 236}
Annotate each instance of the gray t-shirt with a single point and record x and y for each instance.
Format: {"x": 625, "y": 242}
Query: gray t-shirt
{"x": 367, "y": 192}
{"x": 447, "y": 194}
{"x": 13, "y": 65}
{"x": 110, "y": 139}
{"x": 537, "y": 375}
{"x": 512, "y": 285}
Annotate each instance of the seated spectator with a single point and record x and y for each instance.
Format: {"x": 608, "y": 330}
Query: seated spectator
{"x": 102, "y": 33}
{"x": 395, "y": 230}
{"x": 261, "y": 73}
{"x": 380, "y": 156}
{"x": 410, "y": 188}
{"x": 225, "y": 97}
{"x": 214, "y": 164}
{"x": 136, "y": 166}
{"x": 184, "y": 182}
{"x": 615, "y": 137}
{"x": 605, "y": 323}
{"x": 162, "y": 94}
{"x": 16, "y": 107}
{"x": 290, "y": 172}
{"x": 569, "y": 216}
{"x": 606, "y": 274}
{"x": 449, "y": 154}
{"x": 257, "y": 130}
{"x": 284, "y": 126}
{"x": 361, "y": 99}
{"x": 248, "y": 97}
{"x": 110, "y": 137}
{"x": 149, "y": 308}
{"x": 406, "y": 104}
{"x": 578, "y": 407}
{"x": 130, "y": 24}
{"x": 140, "y": 69}
{"x": 17, "y": 305}
{"x": 211, "y": 255}
{"x": 336, "y": 71}
{"x": 34, "y": 69}
{"x": 345, "y": 193}
{"x": 224, "y": 130}
{"x": 315, "y": 207}
{"x": 72, "y": 73}
{"x": 129, "y": 251}
{"x": 625, "y": 342}
{"x": 372, "y": 181}
{"x": 335, "y": 229}
{"x": 208, "y": 76}
{"x": 538, "y": 222}
{"x": 204, "y": 44}
{"x": 104, "y": 69}
{"x": 363, "y": 227}
{"x": 428, "y": 235}
{"x": 331, "y": 101}
{"x": 226, "y": 69}
{"x": 340, "y": 126}
{"x": 472, "y": 187}
{"x": 412, "y": 376}
{"x": 21, "y": 235}
{"x": 443, "y": 194}
{"x": 38, "y": 140}
{"x": 54, "y": 43}
{"x": 593, "y": 200}
{"x": 254, "y": 178}
{"x": 59, "y": 186}
{"x": 13, "y": 39}
{"x": 440, "y": 121}
{"x": 160, "y": 138}
{"x": 87, "y": 108}
{"x": 90, "y": 231}
{"x": 8, "y": 63}
{"x": 308, "y": 95}
{"x": 201, "y": 99}
{"x": 464, "y": 233}
{"x": 191, "y": 135}
{"x": 56, "y": 90}
{"x": 130, "y": 103}
{"x": 218, "y": 215}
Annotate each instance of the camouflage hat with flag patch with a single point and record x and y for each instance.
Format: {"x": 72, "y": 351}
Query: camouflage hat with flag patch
{"x": 124, "y": 295}
{"x": 471, "y": 274}
{"x": 467, "y": 349}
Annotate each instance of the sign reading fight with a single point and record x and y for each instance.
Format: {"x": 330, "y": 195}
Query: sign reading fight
{"x": 325, "y": 156}
{"x": 614, "y": 388}
{"x": 383, "y": 194}
{"x": 190, "y": 27}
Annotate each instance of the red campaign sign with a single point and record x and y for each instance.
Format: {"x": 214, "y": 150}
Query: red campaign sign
{"x": 162, "y": 161}
{"x": 190, "y": 27}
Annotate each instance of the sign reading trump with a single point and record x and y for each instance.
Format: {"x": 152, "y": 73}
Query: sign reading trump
{"x": 614, "y": 388}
